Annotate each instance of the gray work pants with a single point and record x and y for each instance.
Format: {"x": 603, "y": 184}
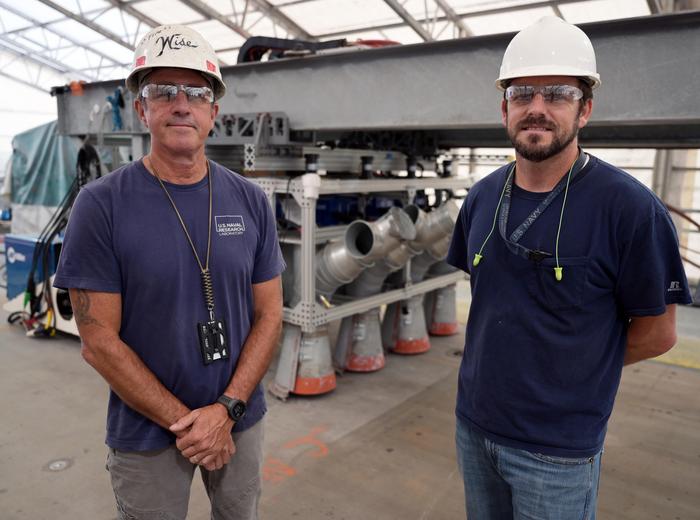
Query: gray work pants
{"x": 155, "y": 485}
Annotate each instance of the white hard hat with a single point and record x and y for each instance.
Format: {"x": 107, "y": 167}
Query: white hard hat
{"x": 549, "y": 47}
{"x": 175, "y": 46}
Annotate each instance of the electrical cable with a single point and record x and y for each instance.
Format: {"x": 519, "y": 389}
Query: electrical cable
{"x": 88, "y": 167}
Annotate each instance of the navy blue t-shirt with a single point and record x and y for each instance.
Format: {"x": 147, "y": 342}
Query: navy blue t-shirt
{"x": 124, "y": 237}
{"x": 543, "y": 359}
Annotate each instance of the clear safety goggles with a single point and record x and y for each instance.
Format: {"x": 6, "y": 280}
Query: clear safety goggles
{"x": 168, "y": 93}
{"x": 554, "y": 94}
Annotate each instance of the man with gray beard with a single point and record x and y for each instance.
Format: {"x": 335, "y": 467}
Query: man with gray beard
{"x": 575, "y": 272}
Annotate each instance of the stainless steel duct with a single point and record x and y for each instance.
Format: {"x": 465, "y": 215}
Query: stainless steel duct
{"x": 362, "y": 350}
{"x": 430, "y": 228}
{"x": 341, "y": 261}
{"x": 433, "y": 226}
{"x": 370, "y": 281}
{"x": 436, "y": 252}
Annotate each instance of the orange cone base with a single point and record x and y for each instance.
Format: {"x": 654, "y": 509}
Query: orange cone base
{"x": 314, "y": 385}
{"x": 365, "y": 363}
{"x": 444, "y": 329}
{"x": 411, "y": 346}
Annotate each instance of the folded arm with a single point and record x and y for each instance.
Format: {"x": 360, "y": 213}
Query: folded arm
{"x": 651, "y": 336}
{"x": 98, "y": 316}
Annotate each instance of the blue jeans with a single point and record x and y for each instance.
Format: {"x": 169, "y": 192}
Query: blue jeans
{"x": 502, "y": 483}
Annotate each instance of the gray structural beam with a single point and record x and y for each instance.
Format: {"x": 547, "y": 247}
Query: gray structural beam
{"x": 36, "y": 23}
{"x": 211, "y": 13}
{"x": 454, "y": 18}
{"x": 277, "y": 16}
{"x": 653, "y": 6}
{"x": 509, "y": 9}
{"x": 406, "y": 17}
{"x": 22, "y": 81}
{"x": 648, "y": 67}
{"x": 557, "y": 11}
{"x": 88, "y": 23}
{"x": 124, "y": 7}
{"x": 29, "y": 54}
{"x": 449, "y": 87}
{"x": 127, "y": 8}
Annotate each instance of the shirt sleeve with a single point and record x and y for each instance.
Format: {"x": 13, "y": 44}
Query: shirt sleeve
{"x": 458, "y": 255}
{"x": 87, "y": 259}
{"x": 268, "y": 256}
{"x": 651, "y": 272}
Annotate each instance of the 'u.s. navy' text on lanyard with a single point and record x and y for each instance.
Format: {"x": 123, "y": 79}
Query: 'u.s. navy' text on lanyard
{"x": 516, "y": 235}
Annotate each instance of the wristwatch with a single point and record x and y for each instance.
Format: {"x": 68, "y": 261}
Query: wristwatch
{"x": 235, "y": 407}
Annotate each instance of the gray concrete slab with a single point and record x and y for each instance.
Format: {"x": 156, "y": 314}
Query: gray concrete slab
{"x": 652, "y": 451}
{"x": 380, "y": 446}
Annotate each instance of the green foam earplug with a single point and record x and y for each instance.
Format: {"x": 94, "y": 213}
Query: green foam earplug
{"x": 558, "y": 273}
{"x": 477, "y": 259}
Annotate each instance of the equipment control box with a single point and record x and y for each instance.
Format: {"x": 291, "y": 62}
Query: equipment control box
{"x": 19, "y": 250}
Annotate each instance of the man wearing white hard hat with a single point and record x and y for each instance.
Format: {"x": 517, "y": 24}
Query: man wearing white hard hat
{"x": 173, "y": 268}
{"x": 574, "y": 271}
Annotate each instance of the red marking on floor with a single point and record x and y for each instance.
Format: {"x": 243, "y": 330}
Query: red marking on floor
{"x": 311, "y": 440}
{"x": 275, "y": 470}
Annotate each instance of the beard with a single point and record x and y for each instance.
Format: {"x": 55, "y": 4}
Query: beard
{"x": 531, "y": 147}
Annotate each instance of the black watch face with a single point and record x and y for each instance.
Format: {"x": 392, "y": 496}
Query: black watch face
{"x": 238, "y": 410}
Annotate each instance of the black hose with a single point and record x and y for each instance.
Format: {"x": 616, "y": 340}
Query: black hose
{"x": 88, "y": 167}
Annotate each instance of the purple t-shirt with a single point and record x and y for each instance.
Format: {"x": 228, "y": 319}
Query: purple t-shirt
{"x": 124, "y": 237}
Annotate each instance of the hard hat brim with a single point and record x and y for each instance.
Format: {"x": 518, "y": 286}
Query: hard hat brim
{"x": 593, "y": 80}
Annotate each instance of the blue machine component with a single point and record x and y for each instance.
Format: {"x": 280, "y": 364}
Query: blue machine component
{"x": 378, "y": 206}
{"x": 336, "y": 209}
{"x": 421, "y": 200}
{"x": 19, "y": 250}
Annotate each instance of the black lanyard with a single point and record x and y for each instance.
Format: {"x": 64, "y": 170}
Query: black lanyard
{"x": 205, "y": 273}
{"x": 212, "y": 334}
{"x": 512, "y": 241}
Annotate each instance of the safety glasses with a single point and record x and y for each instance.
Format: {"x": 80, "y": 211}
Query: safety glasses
{"x": 553, "y": 94}
{"x": 168, "y": 93}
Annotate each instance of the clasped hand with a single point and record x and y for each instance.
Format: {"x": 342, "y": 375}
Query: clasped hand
{"x": 204, "y": 437}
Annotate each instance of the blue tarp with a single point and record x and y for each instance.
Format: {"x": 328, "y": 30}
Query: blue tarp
{"x": 43, "y": 166}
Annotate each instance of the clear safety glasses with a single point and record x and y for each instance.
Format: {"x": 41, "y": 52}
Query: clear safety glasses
{"x": 168, "y": 93}
{"x": 553, "y": 94}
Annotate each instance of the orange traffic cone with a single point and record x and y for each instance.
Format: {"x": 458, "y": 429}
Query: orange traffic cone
{"x": 403, "y": 328}
{"x": 441, "y": 311}
{"x": 315, "y": 374}
{"x": 359, "y": 347}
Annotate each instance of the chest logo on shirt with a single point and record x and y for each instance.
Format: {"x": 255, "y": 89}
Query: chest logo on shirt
{"x": 229, "y": 225}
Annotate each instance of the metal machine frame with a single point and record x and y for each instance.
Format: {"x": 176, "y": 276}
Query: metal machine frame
{"x": 442, "y": 93}
{"x": 308, "y": 313}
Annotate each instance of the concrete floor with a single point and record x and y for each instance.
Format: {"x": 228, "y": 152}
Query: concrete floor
{"x": 380, "y": 446}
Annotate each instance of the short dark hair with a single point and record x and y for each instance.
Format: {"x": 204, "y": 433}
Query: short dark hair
{"x": 587, "y": 90}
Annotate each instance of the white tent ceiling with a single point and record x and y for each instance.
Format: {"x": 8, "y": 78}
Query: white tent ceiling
{"x": 48, "y": 42}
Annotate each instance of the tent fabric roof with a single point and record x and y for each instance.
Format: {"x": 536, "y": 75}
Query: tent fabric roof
{"x": 50, "y": 42}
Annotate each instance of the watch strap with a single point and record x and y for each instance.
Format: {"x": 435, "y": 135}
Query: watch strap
{"x": 236, "y": 408}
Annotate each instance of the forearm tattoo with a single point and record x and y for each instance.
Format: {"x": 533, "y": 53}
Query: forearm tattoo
{"x": 81, "y": 308}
